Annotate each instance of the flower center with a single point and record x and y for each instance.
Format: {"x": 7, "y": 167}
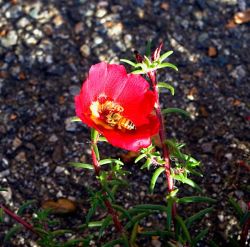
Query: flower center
{"x": 108, "y": 114}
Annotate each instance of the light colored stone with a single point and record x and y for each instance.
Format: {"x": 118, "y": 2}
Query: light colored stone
{"x": 101, "y": 12}
{"x": 4, "y": 173}
{"x": 53, "y": 138}
{"x": 59, "y": 169}
{"x": 98, "y": 40}
{"x": 85, "y": 50}
{"x": 10, "y": 39}
{"x": 23, "y": 22}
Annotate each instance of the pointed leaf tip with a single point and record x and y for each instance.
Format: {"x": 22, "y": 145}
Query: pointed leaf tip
{"x": 155, "y": 176}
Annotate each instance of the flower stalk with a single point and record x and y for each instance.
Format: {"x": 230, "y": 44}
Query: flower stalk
{"x": 162, "y": 134}
{"x": 155, "y": 57}
{"x": 19, "y": 219}
{"x": 95, "y": 158}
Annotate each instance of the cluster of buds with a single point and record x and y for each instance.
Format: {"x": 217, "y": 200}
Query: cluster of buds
{"x": 149, "y": 65}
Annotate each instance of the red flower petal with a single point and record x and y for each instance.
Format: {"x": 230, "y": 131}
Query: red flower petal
{"x": 141, "y": 138}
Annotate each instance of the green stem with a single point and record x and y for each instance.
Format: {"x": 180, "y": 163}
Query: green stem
{"x": 96, "y": 158}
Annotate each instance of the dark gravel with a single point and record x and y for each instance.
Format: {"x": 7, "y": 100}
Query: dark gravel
{"x": 46, "y": 49}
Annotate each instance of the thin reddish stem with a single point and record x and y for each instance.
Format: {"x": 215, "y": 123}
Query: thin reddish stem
{"x": 19, "y": 219}
{"x": 114, "y": 215}
{"x": 107, "y": 203}
{"x": 162, "y": 134}
{"x": 95, "y": 161}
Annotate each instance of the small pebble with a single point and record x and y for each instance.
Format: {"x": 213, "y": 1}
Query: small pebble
{"x": 21, "y": 157}
{"x": 239, "y": 73}
{"x": 59, "y": 169}
{"x": 4, "y": 173}
{"x": 53, "y": 138}
{"x": 85, "y": 50}
{"x": 239, "y": 194}
{"x": 229, "y": 156}
{"x": 16, "y": 143}
{"x": 70, "y": 126}
{"x": 10, "y": 39}
{"x": 207, "y": 147}
{"x": 98, "y": 40}
{"x": 156, "y": 243}
{"x": 101, "y": 12}
{"x": 23, "y": 22}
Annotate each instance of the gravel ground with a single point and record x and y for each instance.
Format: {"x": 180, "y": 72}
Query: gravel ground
{"x": 46, "y": 50}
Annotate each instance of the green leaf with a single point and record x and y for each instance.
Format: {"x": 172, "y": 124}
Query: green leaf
{"x": 12, "y": 232}
{"x": 60, "y": 232}
{"x": 176, "y": 110}
{"x": 199, "y": 237}
{"x": 182, "y": 225}
{"x": 196, "y": 199}
{"x": 165, "y": 55}
{"x": 96, "y": 151}
{"x": 138, "y": 72}
{"x": 170, "y": 202}
{"x": 93, "y": 224}
{"x": 245, "y": 218}
{"x": 82, "y": 165}
{"x": 108, "y": 161}
{"x": 122, "y": 210}
{"x": 146, "y": 164}
{"x": 141, "y": 156}
{"x": 137, "y": 218}
{"x": 91, "y": 212}
{"x": 151, "y": 207}
{"x": 24, "y": 206}
{"x": 189, "y": 221}
{"x": 167, "y": 86}
{"x": 188, "y": 181}
{"x": 147, "y": 61}
{"x": 41, "y": 231}
{"x": 148, "y": 48}
{"x": 74, "y": 242}
{"x": 102, "y": 139}
{"x": 105, "y": 224}
{"x": 43, "y": 214}
{"x": 169, "y": 65}
{"x": 118, "y": 182}
{"x": 133, "y": 234}
{"x": 154, "y": 178}
{"x": 109, "y": 192}
{"x": 175, "y": 149}
{"x": 94, "y": 135}
{"x": 236, "y": 207}
{"x": 128, "y": 62}
{"x": 75, "y": 119}
{"x": 1, "y": 215}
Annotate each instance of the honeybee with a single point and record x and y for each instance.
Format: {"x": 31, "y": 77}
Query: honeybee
{"x": 116, "y": 119}
{"x": 110, "y": 106}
